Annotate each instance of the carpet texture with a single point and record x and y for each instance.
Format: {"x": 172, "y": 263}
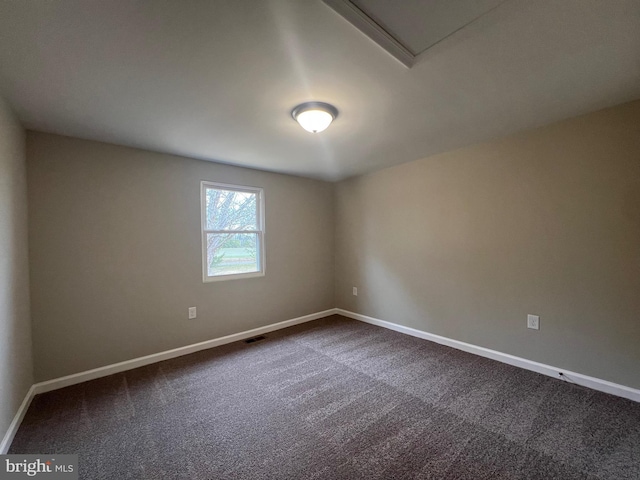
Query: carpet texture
{"x": 335, "y": 399}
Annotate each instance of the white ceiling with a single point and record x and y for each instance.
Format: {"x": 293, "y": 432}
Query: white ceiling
{"x": 217, "y": 80}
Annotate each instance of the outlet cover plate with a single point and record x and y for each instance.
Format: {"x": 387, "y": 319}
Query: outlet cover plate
{"x": 533, "y": 322}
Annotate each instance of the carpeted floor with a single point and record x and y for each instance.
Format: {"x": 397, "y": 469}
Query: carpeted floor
{"x": 335, "y": 399}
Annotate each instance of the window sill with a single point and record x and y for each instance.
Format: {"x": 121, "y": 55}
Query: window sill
{"x": 236, "y": 276}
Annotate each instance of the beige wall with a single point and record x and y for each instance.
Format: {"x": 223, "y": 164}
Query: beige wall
{"x": 463, "y": 244}
{"x": 16, "y": 370}
{"x": 116, "y": 253}
{"x": 467, "y": 243}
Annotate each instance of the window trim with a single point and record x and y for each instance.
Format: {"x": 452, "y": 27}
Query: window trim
{"x": 204, "y": 184}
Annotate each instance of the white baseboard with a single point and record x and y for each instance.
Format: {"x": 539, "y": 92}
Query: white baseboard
{"x": 573, "y": 377}
{"x": 17, "y": 420}
{"x": 62, "y": 382}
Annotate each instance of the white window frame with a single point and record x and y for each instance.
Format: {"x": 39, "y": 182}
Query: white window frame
{"x": 260, "y": 231}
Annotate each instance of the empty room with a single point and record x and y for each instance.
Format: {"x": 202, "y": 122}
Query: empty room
{"x": 320, "y": 239}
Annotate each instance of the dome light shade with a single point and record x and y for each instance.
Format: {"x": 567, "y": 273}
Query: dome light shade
{"x": 314, "y": 117}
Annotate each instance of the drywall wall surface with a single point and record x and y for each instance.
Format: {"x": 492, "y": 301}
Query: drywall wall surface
{"x": 16, "y": 369}
{"x": 466, "y": 244}
{"x": 116, "y": 253}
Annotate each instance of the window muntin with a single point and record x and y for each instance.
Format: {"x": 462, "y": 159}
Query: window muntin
{"x": 232, "y": 231}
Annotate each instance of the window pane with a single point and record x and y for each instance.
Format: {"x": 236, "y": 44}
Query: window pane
{"x": 229, "y": 253}
{"x": 230, "y": 210}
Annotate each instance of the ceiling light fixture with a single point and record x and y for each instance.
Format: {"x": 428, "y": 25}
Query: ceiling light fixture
{"x": 314, "y": 117}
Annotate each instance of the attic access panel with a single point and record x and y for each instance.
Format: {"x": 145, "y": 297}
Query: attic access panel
{"x": 407, "y": 28}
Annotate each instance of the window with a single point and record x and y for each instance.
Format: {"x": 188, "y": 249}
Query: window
{"x": 232, "y": 231}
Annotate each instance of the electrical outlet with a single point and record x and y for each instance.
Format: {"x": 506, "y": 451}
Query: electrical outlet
{"x": 192, "y": 313}
{"x": 533, "y": 321}
{"x": 355, "y": 291}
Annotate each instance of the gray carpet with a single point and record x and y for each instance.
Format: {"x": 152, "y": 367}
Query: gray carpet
{"x": 335, "y": 399}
